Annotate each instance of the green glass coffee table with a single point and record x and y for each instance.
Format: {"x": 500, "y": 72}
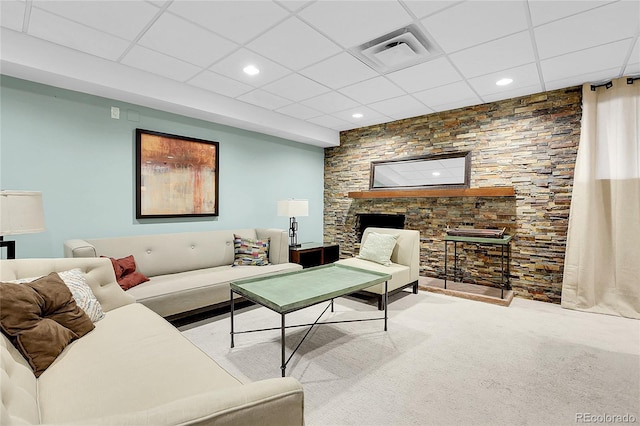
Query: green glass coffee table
{"x": 289, "y": 292}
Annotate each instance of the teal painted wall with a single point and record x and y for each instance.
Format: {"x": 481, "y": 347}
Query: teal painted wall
{"x": 66, "y": 145}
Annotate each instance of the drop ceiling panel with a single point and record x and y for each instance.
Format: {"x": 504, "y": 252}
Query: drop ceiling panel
{"x": 542, "y": 13}
{"x": 299, "y": 111}
{"x": 264, "y": 99}
{"x": 330, "y": 102}
{"x": 471, "y": 23}
{"x": 524, "y": 76}
{"x": 294, "y": 44}
{"x": 239, "y": 21}
{"x": 599, "y": 26}
{"x": 373, "y": 90}
{"x": 12, "y": 14}
{"x": 587, "y": 61}
{"x": 579, "y": 80}
{"x": 296, "y": 87}
{"x": 505, "y": 53}
{"x": 160, "y": 64}
{"x": 369, "y": 116}
{"x": 330, "y": 122}
{"x": 425, "y": 8}
{"x": 76, "y": 36}
{"x": 401, "y": 107}
{"x": 351, "y": 23}
{"x": 455, "y": 93}
{"x": 123, "y": 19}
{"x": 181, "y": 39}
{"x": 232, "y": 66}
{"x": 339, "y": 71}
{"x": 220, "y": 84}
{"x": 437, "y": 72}
{"x": 294, "y": 5}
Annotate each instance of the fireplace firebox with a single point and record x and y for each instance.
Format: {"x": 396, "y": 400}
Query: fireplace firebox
{"x": 377, "y": 220}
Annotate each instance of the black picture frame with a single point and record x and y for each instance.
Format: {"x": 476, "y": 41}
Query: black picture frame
{"x": 176, "y": 176}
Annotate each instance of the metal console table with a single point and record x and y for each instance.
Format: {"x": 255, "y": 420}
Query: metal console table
{"x": 504, "y": 242}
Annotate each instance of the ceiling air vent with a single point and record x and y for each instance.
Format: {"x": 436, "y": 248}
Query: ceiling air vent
{"x": 400, "y": 49}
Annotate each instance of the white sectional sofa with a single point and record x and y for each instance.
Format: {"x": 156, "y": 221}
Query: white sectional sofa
{"x": 404, "y": 267}
{"x": 188, "y": 271}
{"x": 133, "y": 368}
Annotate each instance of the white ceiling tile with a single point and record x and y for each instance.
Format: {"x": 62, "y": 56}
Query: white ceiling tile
{"x": 239, "y": 21}
{"x": 449, "y": 94}
{"x": 330, "y": 122}
{"x": 351, "y": 23}
{"x": 219, "y": 84}
{"x": 294, "y": 4}
{"x": 158, "y": 63}
{"x": 501, "y": 54}
{"x": 542, "y": 11}
{"x": 373, "y": 90}
{"x": 264, "y": 99}
{"x": 437, "y": 72}
{"x": 462, "y": 103}
{"x": 330, "y": 102}
{"x": 176, "y": 37}
{"x": 632, "y": 69}
{"x": 580, "y": 79}
{"x": 422, "y": 8}
{"x": 124, "y": 19}
{"x": 522, "y": 76}
{"x": 12, "y": 14}
{"x": 471, "y": 23}
{"x": 368, "y": 115}
{"x": 294, "y": 44}
{"x": 296, "y": 87}
{"x": 299, "y": 111}
{"x": 401, "y": 107}
{"x": 587, "y": 61}
{"x": 232, "y": 66}
{"x": 605, "y": 24}
{"x": 513, "y": 93}
{"x": 70, "y": 34}
{"x": 339, "y": 71}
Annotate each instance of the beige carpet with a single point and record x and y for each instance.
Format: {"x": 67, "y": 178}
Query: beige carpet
{"x": 444, "y": 361}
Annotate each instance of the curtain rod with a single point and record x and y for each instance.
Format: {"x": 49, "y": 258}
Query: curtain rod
{"x": 630, "y": 80}
{"x": 608, "y": 85}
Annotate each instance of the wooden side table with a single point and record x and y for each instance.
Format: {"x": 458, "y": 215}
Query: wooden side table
{"x": 314, "y": 254}
{"x": 504, "y": 243}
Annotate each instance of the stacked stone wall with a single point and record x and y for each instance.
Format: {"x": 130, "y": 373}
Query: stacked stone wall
{"x": 529, "y": 143}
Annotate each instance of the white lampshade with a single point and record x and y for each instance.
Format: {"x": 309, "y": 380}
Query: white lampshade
{"x": 21, "y": 212}
{"x": 293, "y": 208}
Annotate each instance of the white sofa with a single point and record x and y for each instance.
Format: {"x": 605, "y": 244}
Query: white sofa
{"x": 134, "y": 368}
{"x": 188, "y": 271}
{"x": 405, "y": 263}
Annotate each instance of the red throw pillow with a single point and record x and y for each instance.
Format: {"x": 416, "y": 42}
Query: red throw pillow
{"x": 126, "y": 275}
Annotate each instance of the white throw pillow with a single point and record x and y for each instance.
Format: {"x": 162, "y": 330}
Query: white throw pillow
{"x": 80, "y": 290}
{"x": 378, "y": 248}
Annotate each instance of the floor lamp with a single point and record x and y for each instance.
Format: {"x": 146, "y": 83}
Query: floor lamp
{"x": 291, "y": 209}
{"x": 21, "y": 212}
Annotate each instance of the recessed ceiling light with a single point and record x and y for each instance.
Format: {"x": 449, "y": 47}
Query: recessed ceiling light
{"x": 504, "y": 81}
{"x": 251, "y": 70}
{"x": 357, "y": 115}
{"x": 435, "y": 174}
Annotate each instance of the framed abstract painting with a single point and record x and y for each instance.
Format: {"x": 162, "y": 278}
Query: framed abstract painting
{"x": 176, "y": 176}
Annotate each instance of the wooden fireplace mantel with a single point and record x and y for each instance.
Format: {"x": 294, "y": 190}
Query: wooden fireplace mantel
{"x": 497, "y": 191}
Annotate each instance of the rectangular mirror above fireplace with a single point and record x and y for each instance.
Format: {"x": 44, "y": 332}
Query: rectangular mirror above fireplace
{"x": 451, "y": 170}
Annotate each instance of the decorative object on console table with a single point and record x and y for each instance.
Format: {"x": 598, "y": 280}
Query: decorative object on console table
{"x": 314, "y": 254}
{"x": 21, "y": 212}
{"x": 291, "y": 209}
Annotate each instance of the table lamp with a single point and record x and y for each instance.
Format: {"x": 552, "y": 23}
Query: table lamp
{"x": 21, "y": 212}
{"x": 291, "y": 209}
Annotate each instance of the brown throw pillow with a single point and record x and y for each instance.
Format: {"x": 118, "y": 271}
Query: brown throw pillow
{"x": 125, "y": 270}
{"x": 41, "y": 318}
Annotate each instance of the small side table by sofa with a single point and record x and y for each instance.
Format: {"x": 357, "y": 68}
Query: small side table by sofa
{"x": 314, "y": 254}
{"x": 505, "y": 249}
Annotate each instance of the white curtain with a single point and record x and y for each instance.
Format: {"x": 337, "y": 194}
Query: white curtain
{"x": 602, "y": 260}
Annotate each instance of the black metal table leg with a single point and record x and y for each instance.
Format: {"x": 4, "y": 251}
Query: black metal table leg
{"x": 231, "y": 295}
{"x": 502, "y": 272}
{"x": 386, "y": 303}
{"x": 445, "y": 264}
{"x": 283, "y": 367}
{"x": 455, "y": 261}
